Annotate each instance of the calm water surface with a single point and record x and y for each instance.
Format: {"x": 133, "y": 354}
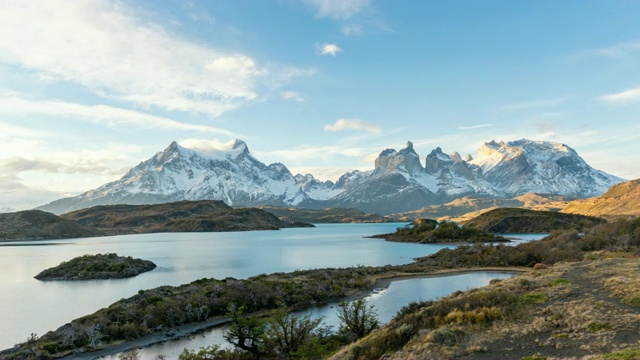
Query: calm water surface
{"x": 28, "y": 305}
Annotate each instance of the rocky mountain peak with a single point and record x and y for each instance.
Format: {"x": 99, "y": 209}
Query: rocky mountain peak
{"x": 455, "y": 156}
{"x": 468, "y": 158}
{"x": 405, "y": 160}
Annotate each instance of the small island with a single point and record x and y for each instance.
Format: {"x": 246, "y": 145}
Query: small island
{"x": 97, "y": 267}
{"x": 427, "y": 231}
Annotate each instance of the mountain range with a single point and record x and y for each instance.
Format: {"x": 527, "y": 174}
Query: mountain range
{"x": 398, "y": 183}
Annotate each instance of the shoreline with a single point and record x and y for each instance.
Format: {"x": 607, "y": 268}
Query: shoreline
{"x": 189, "y": 329}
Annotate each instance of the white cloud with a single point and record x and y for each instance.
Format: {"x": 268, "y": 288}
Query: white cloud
{"x": 472, "y": 127}
{"x": 619, "y": 50}
{"x": 352, "y": 30}
{"x": 103, "y": 114}
{"x": 338, "y": 9}
{"x": 353, "y": 124}
{"x": 329, "y": 49}
{"x": 292, "y": 95}
{"x": 9, "y": 130}
{"x": 622, "y": 97}
{"x": 529, "y": 105}
{"x": 105, "y": 47}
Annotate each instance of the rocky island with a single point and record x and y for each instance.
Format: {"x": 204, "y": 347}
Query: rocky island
{"x": 94, "y": 267}
{"x": 427, "y": 231}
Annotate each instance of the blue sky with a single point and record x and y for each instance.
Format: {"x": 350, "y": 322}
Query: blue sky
{"x": 89, "y": 89}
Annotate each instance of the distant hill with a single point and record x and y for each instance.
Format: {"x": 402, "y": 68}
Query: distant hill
{"x": 470, "y": 206}
{"x": 511, "y": 220}
{"x": 181, "y": 216}
{"x": 322, "y": 216}
{"x": 39, "y": 225}
{"x": 621, "y": 199}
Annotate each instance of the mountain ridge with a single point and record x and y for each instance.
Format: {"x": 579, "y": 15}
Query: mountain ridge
{"x": 398, "y": 183}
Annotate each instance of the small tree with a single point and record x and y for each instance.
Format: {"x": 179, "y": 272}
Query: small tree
{"x": 357, "y": 319}
{"x": 287, "y": 333}
{"x": 246, "y": 332}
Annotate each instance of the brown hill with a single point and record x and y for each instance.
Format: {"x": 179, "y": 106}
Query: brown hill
{"x": 621, "y": 200}
{"x": 510, "y": 220}
{"x": 181, "y": 216}
{"x": 465, "y": 208}
{"x": 40, "y": 225}
{"x": 322, "y": 216}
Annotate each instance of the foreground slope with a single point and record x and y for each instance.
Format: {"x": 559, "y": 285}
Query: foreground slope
{"x": 39, "y": 225}
{"x": 181, "y": 216}
{"x": 621, "y": 200}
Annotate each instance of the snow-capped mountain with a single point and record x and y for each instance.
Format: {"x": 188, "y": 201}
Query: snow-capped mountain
{"x": 398, "y": 183}
{"x": 316, "y": 189}
{"x": 232, "y": 175}
{"x": 522, "y": 166}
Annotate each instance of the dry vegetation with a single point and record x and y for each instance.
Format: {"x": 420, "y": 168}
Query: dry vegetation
{"x": 568, "y": 310}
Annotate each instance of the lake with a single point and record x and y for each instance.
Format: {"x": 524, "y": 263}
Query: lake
{"x": 31, "y": 306}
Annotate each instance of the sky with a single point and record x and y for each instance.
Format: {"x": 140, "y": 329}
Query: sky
{"x": 88, "y": 89}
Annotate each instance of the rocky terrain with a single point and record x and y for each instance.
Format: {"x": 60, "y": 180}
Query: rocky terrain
{"x": 512, "y": 220}
{"x": 38, "y": 225}
{"x": 97, "y": 267}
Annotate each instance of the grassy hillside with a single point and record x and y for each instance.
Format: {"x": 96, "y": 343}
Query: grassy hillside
{"x": 621, "y": 200}
{"x": 511, "y": 220}
{"x": 39, "y": 225}
{"x": 90, "y": 267}
{"x": 181, "y": 216}
{"x": 322, "y": 216}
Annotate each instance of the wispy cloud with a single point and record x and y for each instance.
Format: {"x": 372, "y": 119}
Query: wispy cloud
{"x": 338, "y": 9}
{"x": 480, "y": 126}
{"x": 20, "y": 164}
{"x": 292, "y": 95}
{"x": 353, "y": 124}
{"x": 102, "y": 114}
{"x": 623, "y": 97}
{"x": 328, "y": 49}
{"x": 619, "y": 50}
{"x": 352, "y": 30}
{"x": 529, "y": 105}
{"x": 107, "y": 48}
